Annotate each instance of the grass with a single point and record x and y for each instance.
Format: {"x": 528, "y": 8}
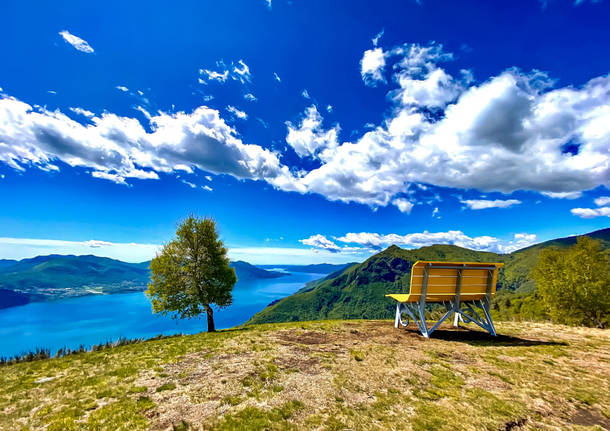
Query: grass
{"x": 330, "y": 375}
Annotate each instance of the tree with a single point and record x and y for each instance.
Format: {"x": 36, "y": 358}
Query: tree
{"x": 192, "y": 273}
{"x": 574, "y": 283}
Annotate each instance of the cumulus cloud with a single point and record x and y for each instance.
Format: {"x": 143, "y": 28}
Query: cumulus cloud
{"x": 305, "y": 94}
{"x": 403, "y": 205}
{"x": 603, "y": 202}
{"x": 454, "y": 237}
{"x": 372, "y": 66}
{"x": 320, "y": 241}
{"x": 309, "y": 138}
{"x": 122, "y": 88}
{"x": 591, "y": 212}
{"x": 118, "y": 148}
{"x": 505, "y": 134}
{"x": 481, "y": 204}
{"x": 78, "y": 43}
{"x": 276, "y": 77}
{"x": 83, "y": 112}
{"x": 250, "y": 97}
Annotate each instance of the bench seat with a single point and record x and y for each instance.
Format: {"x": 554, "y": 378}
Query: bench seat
{"x": 460, "y": 286}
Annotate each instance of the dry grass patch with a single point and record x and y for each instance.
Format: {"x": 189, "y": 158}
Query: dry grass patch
{"x": 323, "y": 375}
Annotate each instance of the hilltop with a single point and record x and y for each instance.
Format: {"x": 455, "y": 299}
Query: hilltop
{"x": 358, "y": 291}
{"x": 52, "y": 277}
{"x": 332, "y": 375}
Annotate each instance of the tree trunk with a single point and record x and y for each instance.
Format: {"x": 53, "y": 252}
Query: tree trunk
{"x": 210, "y": 313}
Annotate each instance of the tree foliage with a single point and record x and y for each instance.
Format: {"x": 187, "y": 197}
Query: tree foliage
{"x": 192, "y": 273}
{"x": 574, "y": 283}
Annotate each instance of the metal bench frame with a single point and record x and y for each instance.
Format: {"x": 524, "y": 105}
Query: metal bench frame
{"x": 461, "y": 308}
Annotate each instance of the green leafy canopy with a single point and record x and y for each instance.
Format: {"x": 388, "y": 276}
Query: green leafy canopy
{"x": 192, "y": 273}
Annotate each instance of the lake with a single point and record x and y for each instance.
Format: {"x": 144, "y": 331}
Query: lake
{"x": 96, "y": 319}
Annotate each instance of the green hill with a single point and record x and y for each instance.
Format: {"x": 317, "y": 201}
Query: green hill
{"x": 358, "y": 291}
{"x": 54, "y": 276}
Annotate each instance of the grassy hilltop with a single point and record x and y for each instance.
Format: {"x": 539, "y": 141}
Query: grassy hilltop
{"x": 330, "y": 375}
{"x": 358, "y": 291}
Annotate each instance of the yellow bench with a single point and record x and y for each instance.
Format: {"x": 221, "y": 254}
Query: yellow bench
{"x": 459, "y": 286}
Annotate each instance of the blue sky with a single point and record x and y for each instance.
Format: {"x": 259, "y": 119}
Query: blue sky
{"x": 312, "y": 131}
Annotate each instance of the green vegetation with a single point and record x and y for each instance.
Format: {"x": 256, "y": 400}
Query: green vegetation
{"x": 575, "y": 283}
{"x": 52, "y": 277}
{"x": 358, "y": 291}
{"x": 192, "y": 273}
{"x": 330, "y": 375}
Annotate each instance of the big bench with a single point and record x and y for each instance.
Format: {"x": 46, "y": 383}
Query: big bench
{"x": 459, "y": 286}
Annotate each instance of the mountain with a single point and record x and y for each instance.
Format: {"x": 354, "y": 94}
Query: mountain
{"x": 246, "y": 272}
{"x": 55, "y": 276}
{"x": 319, "y": 268}
{"x": 358, "y": 291}
{"x": 61, "y": 276}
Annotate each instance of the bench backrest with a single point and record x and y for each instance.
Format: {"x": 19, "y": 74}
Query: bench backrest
{"x": 442, "y": 280}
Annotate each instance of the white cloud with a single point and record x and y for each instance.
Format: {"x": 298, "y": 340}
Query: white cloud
{"x": 403, "y": 205}
{"x": 122, "y": 88}
{"x": 480, "y": 204}
{"x": 250, "y": 97}
{"x": 241, "y": 72}
{"x": 118, "y": 148}
{"x": 435, "y": 213}
{"x": 207, "y": 188}
{"x": 268, "y": 2}
{"x": 602, "y": 201}
{"x": 377, "y": 37}
{"x": 329, "y": 108}
{"x": 563, "y": 195}
{"x": 78, "y": 43}
{"x": 454, "y": 237}
{"x": 276, "y": 77}
{"x": 213, "y": 75}
{"x": 188, "y": 183}
{"x": 372, "y": 65}
{"x": 239, "y": 114}
{"x": 591, "y": 212}
{"x": 309, "y": 138}
{"x": 82, "y": 112}
{"x": 320, "y": 241}
{"x": 291, "y": 255}
{"x": 21, "y": 248}
{"x": 305, "y": 94}
{"x": 207, "y": 177}
{"x": 237, "y": 71}
{"x": 603, "y": 210}
{"x": 504, "y": 134}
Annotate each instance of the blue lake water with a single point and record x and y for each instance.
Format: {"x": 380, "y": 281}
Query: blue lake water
{"x": 99, "y": 318}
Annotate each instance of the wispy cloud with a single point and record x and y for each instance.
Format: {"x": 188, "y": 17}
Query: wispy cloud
{"x": 78, "y": 43}
{"x": 481, "y": 204}
{"x": 237, "y": 113}
{"x": 20, "y": 248}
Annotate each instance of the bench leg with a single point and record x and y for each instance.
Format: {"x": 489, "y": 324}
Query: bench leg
{"x": 397, "y": 319}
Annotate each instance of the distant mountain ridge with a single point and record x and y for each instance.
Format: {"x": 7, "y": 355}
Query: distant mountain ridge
{"x": 358, "y": 291}
{"x": 54, "y": 276}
